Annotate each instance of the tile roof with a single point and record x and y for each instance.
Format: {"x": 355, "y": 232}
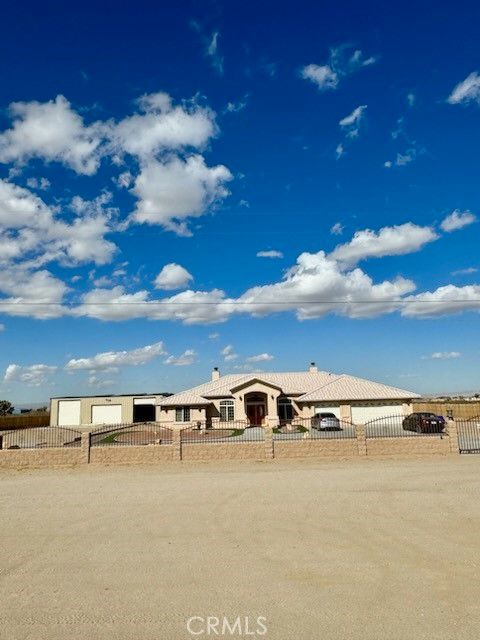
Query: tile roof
{"x": 309, "y": 386}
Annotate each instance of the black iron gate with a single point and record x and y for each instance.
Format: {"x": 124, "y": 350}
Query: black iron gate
{"x": 469, "y": 435}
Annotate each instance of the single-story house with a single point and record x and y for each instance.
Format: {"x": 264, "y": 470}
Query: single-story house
{"x": 267, "y": 398}
{"x": 115, "y": 409}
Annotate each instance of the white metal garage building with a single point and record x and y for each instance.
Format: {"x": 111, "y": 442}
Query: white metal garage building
{"x": 114, "y": 409}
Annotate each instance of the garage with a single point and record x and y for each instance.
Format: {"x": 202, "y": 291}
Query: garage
{"x": 144, "y": 409}
{"x": 326, "y": 409}
{"x": 69, "y": 413}
{"x": 106, "y": 414}
{"x": 372, "y": 411}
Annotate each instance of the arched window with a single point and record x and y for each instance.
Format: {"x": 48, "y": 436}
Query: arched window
{"x": 227, "y": 410}
{"x": 285, "y": 409}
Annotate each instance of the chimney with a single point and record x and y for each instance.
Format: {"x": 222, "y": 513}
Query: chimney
{"x": 313, "y": 367}
{"x": 215, "y": 374}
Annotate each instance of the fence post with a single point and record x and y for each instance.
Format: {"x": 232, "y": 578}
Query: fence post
{"x": 269, "y": 450}
{"x": 453, "y": 435}
{"x": 85, "y": 447}
{"x": 361, "y": 435}
{"x": 177, "y": 444}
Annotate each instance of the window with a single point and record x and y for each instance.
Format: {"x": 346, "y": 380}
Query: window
{"x": 182, "y": 414}
{"x": 285, "y": 409}
{"x": 227, "y": 410}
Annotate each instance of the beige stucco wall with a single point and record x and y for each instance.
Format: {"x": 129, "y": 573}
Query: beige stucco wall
{"x": 168, "y": 414}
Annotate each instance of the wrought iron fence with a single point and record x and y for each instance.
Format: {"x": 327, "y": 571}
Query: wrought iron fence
{"x": 40, "y": 438}
{"x": 399, "y": 426}
{"x": 228, "y": 432}
{"x": 139, "y": 433}
{"x": 469, "y": 435}
{"x": 314, "y": 428}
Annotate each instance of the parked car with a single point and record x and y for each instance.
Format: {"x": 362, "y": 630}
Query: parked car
{"x": 423, "y": 422}
{"x": 326, "y": 422}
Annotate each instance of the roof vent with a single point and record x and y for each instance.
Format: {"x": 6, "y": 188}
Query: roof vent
{"x": 215, "y": 374}
{"x": 313, "y": 367}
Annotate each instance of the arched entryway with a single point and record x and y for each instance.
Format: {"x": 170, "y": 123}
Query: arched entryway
{"x": 256, "y": 408}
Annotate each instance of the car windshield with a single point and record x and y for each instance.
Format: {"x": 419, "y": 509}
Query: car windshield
{"x": 327, "y": 415}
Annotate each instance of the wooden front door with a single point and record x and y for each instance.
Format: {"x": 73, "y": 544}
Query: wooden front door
{"x": 255, "y": 414}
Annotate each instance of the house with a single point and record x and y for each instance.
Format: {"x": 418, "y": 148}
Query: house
{"x": 267, "y": 398}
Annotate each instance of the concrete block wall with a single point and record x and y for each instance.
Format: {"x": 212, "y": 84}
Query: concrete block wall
{"x": 148, "y": 454}
{"x": 269, "y": 448}
{"x": 35, "y": 458}
{"x": 408, "y": 446}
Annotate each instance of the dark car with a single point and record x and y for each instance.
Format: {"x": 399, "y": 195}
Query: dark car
{"x": 326, "y": 422}
{"x": 424, "y": 422}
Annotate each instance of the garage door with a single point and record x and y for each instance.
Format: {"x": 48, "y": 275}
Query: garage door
{"x": 334, "y": 410}
{"x": 69, "y": 413}
{"x": 364, "y": 413}
{"x": 106, "y": 414}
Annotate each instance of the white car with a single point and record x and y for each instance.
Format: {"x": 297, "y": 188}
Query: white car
{"x": 326, "y": 422}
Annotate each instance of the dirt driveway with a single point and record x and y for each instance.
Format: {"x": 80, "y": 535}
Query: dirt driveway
{"x": 368, "y": 549}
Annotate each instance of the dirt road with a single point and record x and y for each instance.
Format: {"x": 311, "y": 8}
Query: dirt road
{"x": 343, "y": 550}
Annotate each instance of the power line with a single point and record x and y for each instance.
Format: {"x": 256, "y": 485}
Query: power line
{"x": 235, "y": 302}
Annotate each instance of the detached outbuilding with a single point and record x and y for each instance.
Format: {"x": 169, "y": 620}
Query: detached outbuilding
{"x": 113, "y": 409}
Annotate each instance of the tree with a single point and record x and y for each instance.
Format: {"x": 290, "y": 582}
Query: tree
{"x": 6, "y": 408}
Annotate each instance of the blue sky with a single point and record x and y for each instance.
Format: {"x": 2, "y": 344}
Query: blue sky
{"x": 149, "y": 153}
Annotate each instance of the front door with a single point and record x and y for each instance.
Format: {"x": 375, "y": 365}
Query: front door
{"x": 255, "y": 414}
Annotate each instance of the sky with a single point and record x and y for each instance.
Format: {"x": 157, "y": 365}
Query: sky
{"x": 248, "y": 185}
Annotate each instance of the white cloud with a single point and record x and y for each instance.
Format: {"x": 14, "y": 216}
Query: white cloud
{"x": 342, "y": 62}
{"x": 30, "y": 230}
{"x": 228, "y": 353}
{"x": 322, "y": 75}
{"x": 172, "y": 276}
{"x": 52, "y": 131}
{"x": 173, "y": 183}
{"x": 337, "y": 229}
{"x": 111, "y": 360}
{"x": 211, "y": 47}
{"x": 457, "y": 220}
{"x": 465, "y": 272}
{"x": 466, "y": 91}
{"x": 443, "y": 355}
{"x": 445, "y": 300}
{"x": 161, "y": 126}
{"x": 187, "y": 358}
{"x": 316, "y": 286}
{"x": 271, "y": 253}
{"x": 339, "y": 151}
{"x": 213, "y": 336}
{"x": 189, "y": 307}
{"x": 351, "y": 123}
{"x": 261, "y": 357}
{"x": 411, "y": 99}
{"x": 38, "y": 183}
{"x": 235, "y": 107}
{"x": 34, "y": 375}
{"x": 36, "y": 294}
{"x": 171, "y": 192}
{"x": 97, "y": 381}
{"x": 213, "y": 53}
{"x": 2, "y": 327}
{"x": 388, "y": 241}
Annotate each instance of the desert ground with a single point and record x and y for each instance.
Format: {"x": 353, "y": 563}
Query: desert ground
{"x": 382, "y": 549}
